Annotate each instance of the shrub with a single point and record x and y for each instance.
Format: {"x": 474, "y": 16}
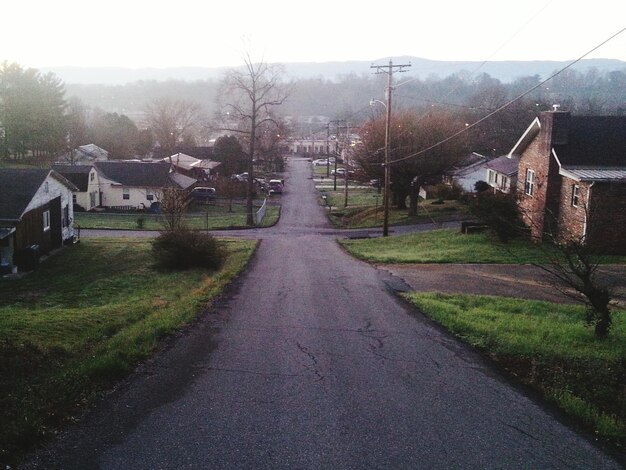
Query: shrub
{"x": 141, "y": 222}
{"x": 481, "y": 186}
{"x": 446, "y": 191}
{"x": 185, "y": 249}
{"x": 499, "y": 211}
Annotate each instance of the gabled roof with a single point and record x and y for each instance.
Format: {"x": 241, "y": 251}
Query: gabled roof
{"x": 594, "y": 141}
{"x": 77, "y": 174}
{"x": 506, "y": 165}
{"x": 527, "y": 137}
{"x": 137, "y": 174}
{"x": 93, "y": 151}
{"x": 197, "y": 152}
{"x": 182, "y": 160}
{"x": 19, "y": 186}
{"x": 182, "y": 181}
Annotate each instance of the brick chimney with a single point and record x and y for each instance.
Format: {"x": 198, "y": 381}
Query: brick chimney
{"x": 554, "y": 128}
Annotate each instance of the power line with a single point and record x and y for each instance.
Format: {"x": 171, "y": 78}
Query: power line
{"x": 508, "y": 103}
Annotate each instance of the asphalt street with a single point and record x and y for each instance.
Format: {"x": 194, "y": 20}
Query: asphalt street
{"x": 312, "y": 362}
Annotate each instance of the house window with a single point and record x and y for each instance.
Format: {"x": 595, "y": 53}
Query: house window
{"x": 46, "y": 221}
{"x": 149, "y": 195}
{"x": 125, "y": 193}
{"x": 529, "y": 184}
{"x": 504, "y": 183}
{"x": 73, "y": 198}
{"x": 492, "y": 177}
{"x": 575, "y": 195}
{"x": 92, "y": 199}
{"x": 92, "y": 175}
{"x": 46, "y": 187}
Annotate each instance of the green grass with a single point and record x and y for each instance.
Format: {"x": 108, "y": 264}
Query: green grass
{"x": 368, "y": 215}
{"x": 547, "y": 346}
{"x": 450, "y": 246}
{"x": 211, "y": 220}
{"x": 86, "y": 318}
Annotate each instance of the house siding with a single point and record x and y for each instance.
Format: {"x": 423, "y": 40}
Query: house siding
{"x": 540, "y": 212}
{"x": 113, "y": 195}
{"x": 56, "y": 189}
{"x": 572, "y": 220}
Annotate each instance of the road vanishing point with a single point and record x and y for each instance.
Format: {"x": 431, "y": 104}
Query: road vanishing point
{"x": 311, "y": 361}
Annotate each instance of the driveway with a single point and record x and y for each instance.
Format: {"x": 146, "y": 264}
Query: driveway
{"x": 522, "y": 281}
{"x": 311, "y": 362}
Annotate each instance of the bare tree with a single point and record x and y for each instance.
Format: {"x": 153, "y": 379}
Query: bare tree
{"x": 251, "y": 96}
{"x": 173, "y": 121}
{"x": 174, "y": 204}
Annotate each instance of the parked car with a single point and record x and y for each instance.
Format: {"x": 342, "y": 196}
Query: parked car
{"x": 203, "y": 193}
{"x": 342, "y": 172}
{"x": 323, "y": 162}
{"x": 275, "y": 187}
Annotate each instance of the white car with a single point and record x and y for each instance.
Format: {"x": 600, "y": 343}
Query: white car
{"x": 323, "y": 162}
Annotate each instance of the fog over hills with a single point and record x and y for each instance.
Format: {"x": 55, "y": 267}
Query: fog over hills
{"x": 505, "y": 71}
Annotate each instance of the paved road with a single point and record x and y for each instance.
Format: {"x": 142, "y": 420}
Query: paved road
{"x": 313, "y": 363}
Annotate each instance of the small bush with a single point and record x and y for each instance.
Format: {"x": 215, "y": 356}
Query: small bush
{"x": 141, "y": 222}
{"x": 185, "y": 249}
{"x": 446, "y": 191}
{"x": 499, "y": 211}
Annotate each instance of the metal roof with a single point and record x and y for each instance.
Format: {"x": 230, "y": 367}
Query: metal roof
{"x": 594, "y": 174}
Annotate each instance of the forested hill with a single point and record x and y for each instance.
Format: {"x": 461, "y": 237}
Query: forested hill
{"x": 505, "y": 71}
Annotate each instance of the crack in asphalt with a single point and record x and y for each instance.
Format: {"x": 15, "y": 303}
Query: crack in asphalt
{"x": 313, "y": 359}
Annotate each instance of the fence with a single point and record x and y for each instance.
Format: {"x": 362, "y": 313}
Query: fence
{"x": 260, "y": 214}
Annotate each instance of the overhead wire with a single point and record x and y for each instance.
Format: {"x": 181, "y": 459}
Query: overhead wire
{"x": 508, "y": 103}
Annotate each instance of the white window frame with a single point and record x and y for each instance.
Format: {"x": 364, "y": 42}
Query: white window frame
{"x": 529, "y": 184}
{"x": 492, "y": 177}
{"x": 46, "y": 220}
{"x": 149, "y": 195}
{"x": 126, "y": 194}
{"x": 575, "y": 195}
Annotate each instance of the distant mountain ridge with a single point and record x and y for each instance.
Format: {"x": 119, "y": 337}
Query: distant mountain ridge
{"x": 505, "y": 71}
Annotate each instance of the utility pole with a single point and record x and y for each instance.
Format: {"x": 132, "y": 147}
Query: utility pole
{"x": 345, "y": 165}
{"x": 328, "y": 150}
{"x": 336, "y": 122}
{"x": 389, "y": 71}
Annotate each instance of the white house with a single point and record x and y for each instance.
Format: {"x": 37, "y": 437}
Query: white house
{"x": 137, "y": 185}
{"x": 502, "y": 173}
{"x": 36, "y": 215}
{"x": 86, "y": 180}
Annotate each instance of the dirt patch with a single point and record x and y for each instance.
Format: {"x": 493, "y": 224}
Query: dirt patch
{"x": 519, "y": 281}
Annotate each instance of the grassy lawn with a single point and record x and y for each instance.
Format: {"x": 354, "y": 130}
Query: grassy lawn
{"x": 365, "y": 209}
{"x": 450, "y": 246}
{"x": 212, "y": 219}
{"x": 85, "y": 319}
{"x": 549, "y": 347}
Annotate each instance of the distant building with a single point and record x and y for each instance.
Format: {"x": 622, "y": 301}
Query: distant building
{"x": 502, "y": 173}
{"x": 85, "y": 154}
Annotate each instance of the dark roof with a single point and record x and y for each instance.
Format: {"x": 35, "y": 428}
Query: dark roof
{"x": 138, "y": 174}
{"x": 597, "y": 141}
{"x": 17, "y": 189}
{"x": 77, "y": 174}
{"x": 505, "y": 165}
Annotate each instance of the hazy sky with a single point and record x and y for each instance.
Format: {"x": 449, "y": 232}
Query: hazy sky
{"x": 156, "y": 33}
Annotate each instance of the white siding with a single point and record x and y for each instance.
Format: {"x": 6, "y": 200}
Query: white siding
{"x": 55, "y": 189}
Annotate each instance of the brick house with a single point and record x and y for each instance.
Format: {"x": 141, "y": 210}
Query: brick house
{"x": 572, "y": 178}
